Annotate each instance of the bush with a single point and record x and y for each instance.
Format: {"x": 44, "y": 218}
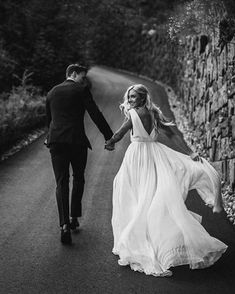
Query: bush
{"x": 21, "y": 111}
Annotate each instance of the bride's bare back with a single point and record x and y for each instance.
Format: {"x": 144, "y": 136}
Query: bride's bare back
{"x": 146, "y": 118}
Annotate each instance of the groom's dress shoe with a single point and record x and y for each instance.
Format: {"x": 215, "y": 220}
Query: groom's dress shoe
{"x": 74, "y": 224}
{"x": 66, "y": 236}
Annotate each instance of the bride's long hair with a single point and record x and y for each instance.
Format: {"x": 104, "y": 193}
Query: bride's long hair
{"x": 159, "y": 118}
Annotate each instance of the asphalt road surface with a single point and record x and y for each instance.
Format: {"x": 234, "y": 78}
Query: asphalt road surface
{"x": 32, "y": 259}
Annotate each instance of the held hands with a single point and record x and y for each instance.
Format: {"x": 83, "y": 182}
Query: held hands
{"x": 195, "y": 157}
{"x": 46, "y": 142}
{"x": 109, "y": 145}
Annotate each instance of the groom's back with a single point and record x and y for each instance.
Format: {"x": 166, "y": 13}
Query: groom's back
{"x": 65, "y": 107}
{"x": 66, "y": 103}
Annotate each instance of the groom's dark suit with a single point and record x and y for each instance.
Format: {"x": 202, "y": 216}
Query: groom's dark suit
{"x": 65, "y": 109}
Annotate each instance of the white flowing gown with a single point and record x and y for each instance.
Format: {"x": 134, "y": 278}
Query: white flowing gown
{"x": 153, "y": 229}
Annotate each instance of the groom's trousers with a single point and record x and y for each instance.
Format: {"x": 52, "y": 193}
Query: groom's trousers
{"x": 63, "y": 156}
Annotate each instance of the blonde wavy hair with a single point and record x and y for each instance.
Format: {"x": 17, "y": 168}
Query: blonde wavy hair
{"x": 159, "y": 118}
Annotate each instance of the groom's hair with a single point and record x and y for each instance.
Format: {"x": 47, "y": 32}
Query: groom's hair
{"x": 75, "y": 67}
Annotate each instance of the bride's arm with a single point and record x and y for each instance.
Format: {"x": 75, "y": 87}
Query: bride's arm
{"x": 119, "y": 134}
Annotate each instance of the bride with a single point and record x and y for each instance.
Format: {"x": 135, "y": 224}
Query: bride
{"x": 153, "y": 229}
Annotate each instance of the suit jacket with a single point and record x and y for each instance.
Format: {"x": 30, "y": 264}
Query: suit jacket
{"x": 66, "y": 104}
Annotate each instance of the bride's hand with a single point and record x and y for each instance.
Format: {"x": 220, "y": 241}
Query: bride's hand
{"x": 195, "y": 157}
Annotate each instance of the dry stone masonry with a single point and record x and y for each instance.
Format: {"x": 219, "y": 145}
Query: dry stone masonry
{"x": 201, "y": 71}
{"x": 207, "y": 95}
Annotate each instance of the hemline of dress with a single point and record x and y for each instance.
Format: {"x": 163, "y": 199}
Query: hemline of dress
{"x": 198, "y": 263}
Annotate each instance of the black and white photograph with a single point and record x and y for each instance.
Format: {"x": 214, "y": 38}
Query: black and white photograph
{"x": 117, "y": 146}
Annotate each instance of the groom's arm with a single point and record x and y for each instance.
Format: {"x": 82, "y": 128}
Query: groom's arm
{"x": 96, "y": 115}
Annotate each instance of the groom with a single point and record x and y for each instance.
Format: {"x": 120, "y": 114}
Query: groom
{"x": 66, "y": 104}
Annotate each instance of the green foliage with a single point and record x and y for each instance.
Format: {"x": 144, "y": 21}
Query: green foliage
{"x": 115, "y": 35}
{"x": 44, "y": 36}
{"x": 195, "y": 17}
{"x": 230, "y": 7}
{"x": 21, "y": 110}
{"x": 7, "y": 67}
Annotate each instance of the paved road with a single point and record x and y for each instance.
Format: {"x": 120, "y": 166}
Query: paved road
{"x": 32, "y": 259}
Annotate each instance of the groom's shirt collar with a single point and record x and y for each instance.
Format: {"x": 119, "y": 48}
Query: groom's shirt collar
{"x": 69, "y": 79}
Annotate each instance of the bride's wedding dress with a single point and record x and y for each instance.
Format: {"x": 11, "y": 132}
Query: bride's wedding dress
{"x": 153, "y": 229}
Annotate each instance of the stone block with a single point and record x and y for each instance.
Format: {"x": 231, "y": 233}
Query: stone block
{"x": 215, "y": 86}
{"x": 225, "y": 170}
{"x": 231, "y": 106}
{"x": 231, "y": 175}
{"x": 218, "y": 155}
{"x": 231, "y": 52}
{"x": 218, "y": 167}
{"x": 215, "y": 102}
{"x": 223, "y": 95}
{"x": 208, "y": 48}
{"x": 208, "y": 111}
{"x": 214, "y": 122}
{"x": 210, "y": 92}
{"x": 209, "y": 62}
{"x": 231, "y": 91}
{"x": 224, "y": 111}
{"x": 215, "y": 68}
{"x": 233, "y": 126}
{"x": 210, "y": 151}
{"x": 220, "y": 81}
{"x": 207, "y": 126}
{"x": 224, "y": 123}
{"x": 220, "y": 65}
{"x": 224, "y": 147}
{"x": 201, "y": 88}
{"x": 217, "y": 131}
{"x": 213, "y": 150}
{"x": 231, "y": 148}
{"x": 208, "y": 138}
{"x": 225, "y": 132}
{"x": 202, "y": 115}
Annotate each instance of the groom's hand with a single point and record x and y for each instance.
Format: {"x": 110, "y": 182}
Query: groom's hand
{"x": 46, "y": 142}
{"x": 108, "y": 146}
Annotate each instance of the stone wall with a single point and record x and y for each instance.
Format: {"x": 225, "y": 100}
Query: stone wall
{"x": 201, "y": 71}
{"x": 207, "y": 95}
{"x": 203, "y": 76}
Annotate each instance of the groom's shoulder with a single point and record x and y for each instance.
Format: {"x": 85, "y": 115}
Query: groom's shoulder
{"x": 82, "y": 89}
{"x": 62, "y": 87}
{"x": 52, "y": 91}
{"x": 55, "y": 87}
{"x": 69, "y": 88}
